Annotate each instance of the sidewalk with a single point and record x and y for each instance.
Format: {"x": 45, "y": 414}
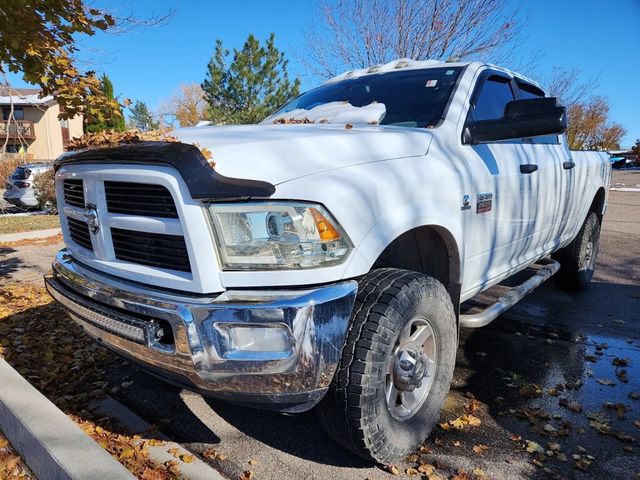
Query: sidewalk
{"x": 31, "y": 235}
{"x": 52, "y": 445}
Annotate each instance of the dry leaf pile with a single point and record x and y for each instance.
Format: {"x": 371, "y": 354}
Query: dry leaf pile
{"x": 12, "y": 467}
{"x": 111, "y": 138}
{"x": 34, "y": 241}
{"x": 39, "y": 340}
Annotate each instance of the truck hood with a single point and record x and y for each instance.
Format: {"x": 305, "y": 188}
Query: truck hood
{"x": 279, "y": 153}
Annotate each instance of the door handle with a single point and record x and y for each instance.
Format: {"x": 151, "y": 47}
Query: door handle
{"x": 568, "y": 165}
{"x": 528, "y": 168}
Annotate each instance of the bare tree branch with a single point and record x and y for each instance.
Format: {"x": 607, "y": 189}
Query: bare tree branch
{"x": 359, "y": 33}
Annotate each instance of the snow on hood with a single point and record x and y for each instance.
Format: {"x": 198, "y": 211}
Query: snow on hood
{"x": 333, "y": 112}
{"x": 278, "y": 153}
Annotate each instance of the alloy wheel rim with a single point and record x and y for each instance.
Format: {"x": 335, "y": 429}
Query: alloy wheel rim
{"x": 411, "y": 369}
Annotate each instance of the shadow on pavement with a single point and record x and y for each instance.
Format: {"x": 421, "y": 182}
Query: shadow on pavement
{"x": 8, "y": 265}
{"x": 300, "y": 435}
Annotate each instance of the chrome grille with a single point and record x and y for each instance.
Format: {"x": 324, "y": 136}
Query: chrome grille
{"x": 153, "y": 249}
{"x": 79, "y": 232}
{"x": 73, "y": 192}
{"x": 140, "y": 199}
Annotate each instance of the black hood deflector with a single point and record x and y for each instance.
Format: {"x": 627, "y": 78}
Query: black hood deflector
{"x": 203, "y": 182}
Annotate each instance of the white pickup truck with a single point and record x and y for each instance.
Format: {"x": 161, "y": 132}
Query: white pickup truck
{"x": 323, "y": 262}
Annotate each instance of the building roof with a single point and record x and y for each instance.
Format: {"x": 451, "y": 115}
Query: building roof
{"x": 23, "y": 96}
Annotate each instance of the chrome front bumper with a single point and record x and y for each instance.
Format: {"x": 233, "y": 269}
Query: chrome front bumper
{"x": 206, "y": 343}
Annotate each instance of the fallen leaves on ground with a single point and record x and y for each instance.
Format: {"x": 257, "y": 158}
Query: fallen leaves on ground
{"x": 46, "y": 347}
{"x": 571, "y": 405}
{"x": 477, "y": 474}
{"x": 130, "y": 451}
{"x": 530, "y": 390}
{"x": 33, "y": 241}
{"x": 181, "y": 455}
{"x": 619, "y": 408}
{"x": 461, "y": 422}
{"x": 606, "y": 382}
{"x": 12, "y": 466}
{"x": 213, "y": 455}
{"x": 480, "y": 448}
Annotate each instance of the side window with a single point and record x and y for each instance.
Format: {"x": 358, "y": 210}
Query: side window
{"x": 494, "y": 95}
{"x": 18, "y": 113}
{"x": 527, "y": 91}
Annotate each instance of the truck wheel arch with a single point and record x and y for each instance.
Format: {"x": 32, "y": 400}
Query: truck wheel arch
{"x": 598, "y": 203}
{"x": 428, "y": 249}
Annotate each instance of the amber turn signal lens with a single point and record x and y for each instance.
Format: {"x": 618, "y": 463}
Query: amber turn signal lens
{"x": 327, "y": 231}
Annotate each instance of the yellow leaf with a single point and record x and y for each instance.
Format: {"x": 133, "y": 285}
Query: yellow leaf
{"x": 478, "y": 449}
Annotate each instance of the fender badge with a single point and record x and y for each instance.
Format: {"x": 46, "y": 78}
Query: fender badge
{"x": 484, "y": 202}
{"x": 466, "y": 203}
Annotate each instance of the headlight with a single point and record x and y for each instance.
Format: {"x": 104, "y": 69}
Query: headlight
{"x": 277, "y": 235}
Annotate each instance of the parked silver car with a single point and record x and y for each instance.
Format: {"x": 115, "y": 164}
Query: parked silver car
{"x": 20, "y": 189}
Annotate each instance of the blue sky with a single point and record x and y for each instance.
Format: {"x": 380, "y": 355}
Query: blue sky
{"x": 602, "y": 38}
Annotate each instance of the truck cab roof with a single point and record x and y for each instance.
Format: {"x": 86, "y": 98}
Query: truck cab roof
{"x": 409, "y": 64}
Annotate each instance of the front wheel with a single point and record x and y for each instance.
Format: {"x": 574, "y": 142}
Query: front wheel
{"x": 578, "y": 259}
{"x": 396, "y": 366}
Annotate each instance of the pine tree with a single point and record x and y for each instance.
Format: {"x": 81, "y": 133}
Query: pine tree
{"x": 114, "y": 121}
{"x": 249, "y": 88}
{"x": 141, "y": 117}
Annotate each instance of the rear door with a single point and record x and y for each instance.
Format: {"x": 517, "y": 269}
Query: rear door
{"x": 554, "y": 183}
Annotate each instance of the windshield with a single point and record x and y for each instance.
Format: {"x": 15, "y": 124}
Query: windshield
{"x": 413, "y": 98}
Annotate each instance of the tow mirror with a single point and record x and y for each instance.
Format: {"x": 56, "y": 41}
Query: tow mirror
{"x": 533, "y": 117}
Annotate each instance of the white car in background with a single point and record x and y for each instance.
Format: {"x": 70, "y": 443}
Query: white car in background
{"x": 20, "y": 189}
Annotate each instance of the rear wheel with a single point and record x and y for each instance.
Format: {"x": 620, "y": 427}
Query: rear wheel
{"x": 396, "y": 366}
{"x": 578, "y": 259}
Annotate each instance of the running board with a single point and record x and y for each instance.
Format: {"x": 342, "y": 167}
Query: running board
{"x": 509, "y": 299}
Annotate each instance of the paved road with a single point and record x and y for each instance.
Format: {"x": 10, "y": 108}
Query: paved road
{"x": 550, "y": 338}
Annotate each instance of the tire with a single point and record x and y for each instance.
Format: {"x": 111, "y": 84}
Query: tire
{"x": 578, "y": 259}
{"x": 391, "y": 305}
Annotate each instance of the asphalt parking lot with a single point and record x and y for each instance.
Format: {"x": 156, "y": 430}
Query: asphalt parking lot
{"x": 554, "y": 381}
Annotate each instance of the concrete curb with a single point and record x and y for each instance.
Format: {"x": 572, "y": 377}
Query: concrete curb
{"x": 32, "y": 235}
{"x": 195, "y": 470}
{"x": 49, "y": 442}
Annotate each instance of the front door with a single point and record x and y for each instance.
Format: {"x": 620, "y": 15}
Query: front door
{"x": 500, "y": 218}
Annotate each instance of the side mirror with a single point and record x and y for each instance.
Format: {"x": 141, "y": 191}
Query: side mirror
{"x": 533, "y": 117}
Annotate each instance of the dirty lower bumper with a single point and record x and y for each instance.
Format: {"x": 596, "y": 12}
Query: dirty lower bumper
{"x": 277, "y": 349}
